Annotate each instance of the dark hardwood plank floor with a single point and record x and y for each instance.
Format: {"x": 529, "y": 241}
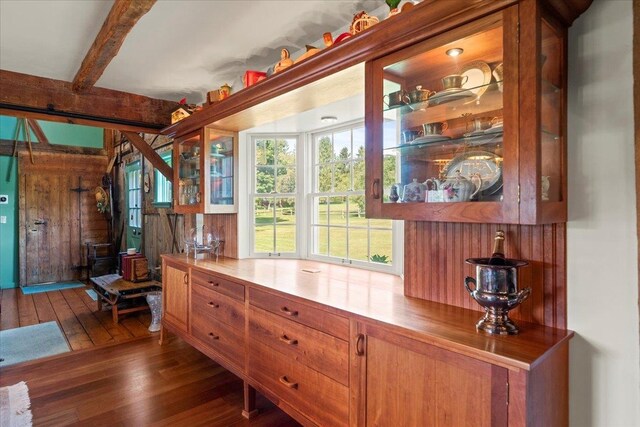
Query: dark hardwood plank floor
{"x": 137, "y": 383}
{"x": 76, "y": 313}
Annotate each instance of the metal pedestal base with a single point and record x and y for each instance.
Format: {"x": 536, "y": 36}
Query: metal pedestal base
{"x": 496, "y": 321}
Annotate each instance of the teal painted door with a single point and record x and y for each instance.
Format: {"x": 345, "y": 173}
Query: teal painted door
{"x": 133, "y": 196}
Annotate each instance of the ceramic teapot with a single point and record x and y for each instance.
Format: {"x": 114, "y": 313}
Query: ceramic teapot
{"x": 460, "y": 189}
{"x": 414, "y": 192}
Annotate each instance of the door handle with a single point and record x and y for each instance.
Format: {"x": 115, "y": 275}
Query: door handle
{"x": 375, "y": 188}
{"x": 40, "y": 222}
{"x": 359, "y": 345}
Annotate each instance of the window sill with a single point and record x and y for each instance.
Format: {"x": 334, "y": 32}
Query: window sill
{"x": 163, "y": 205}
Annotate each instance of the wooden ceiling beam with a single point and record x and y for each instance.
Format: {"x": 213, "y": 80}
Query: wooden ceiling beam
{"x": 150, "y": 154}
{"x": 122, "y": 17}
{"x": 39, "y": 97}
{"x": 35, "y": 126}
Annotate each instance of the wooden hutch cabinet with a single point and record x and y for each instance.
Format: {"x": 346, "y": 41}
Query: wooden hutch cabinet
{"x": 388, "y": 359}
{"x": 404, "y": 382}
{"x": 176, "y": 295}
{"x": 205, "y": 174}
{"x": 469, "y": 125}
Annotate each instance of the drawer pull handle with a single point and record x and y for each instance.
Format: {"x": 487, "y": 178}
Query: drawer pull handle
{"x": 214, "y": 336}
{"x": 288, "y": 312}
{"x": 285, "y": 381}
{"x": 360, "y": 345}
{"x": 212, "y": 283}
{"x": 213, "y": 305}
{"x": 287, "y": 340}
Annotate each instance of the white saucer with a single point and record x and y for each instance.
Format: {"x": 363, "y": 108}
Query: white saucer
{"x": 450, "y": 95}
{"x": 474, "y": 133}
{"x": 429, "y": 138}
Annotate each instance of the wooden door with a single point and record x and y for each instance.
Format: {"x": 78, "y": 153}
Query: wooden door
{"x": 48, "y": 227}
{"x": 58, "y": 215}
{"x": 176, "y": 296}
{"x": 403, "y": 382}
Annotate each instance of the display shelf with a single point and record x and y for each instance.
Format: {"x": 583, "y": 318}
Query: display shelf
{"x": 453, "y": 99}
{"x": 468, "y": 141}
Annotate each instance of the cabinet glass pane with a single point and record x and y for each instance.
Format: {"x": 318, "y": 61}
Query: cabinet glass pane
{"x": 189, "y": 171}
{"x": 221, "y": 173}
{"x": 443, "y": 121}
{"x": 551, "y": 142}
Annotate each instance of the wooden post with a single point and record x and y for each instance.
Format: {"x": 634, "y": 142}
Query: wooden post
{"x": 150, "y": 154}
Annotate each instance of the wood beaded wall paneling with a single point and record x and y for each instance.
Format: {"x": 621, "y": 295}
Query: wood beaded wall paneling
{"x": 435, "y": 265}
{"x": 227, "y": 224}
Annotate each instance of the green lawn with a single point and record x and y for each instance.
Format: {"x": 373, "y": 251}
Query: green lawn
{"x": 335, "y": 214}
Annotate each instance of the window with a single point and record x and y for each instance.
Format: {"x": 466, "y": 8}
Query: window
{"x": 163, "y": 189}
{"x": 339, "y": 229}
{"x": 133, "y": 181}
{"x": 308, "y": 200}
{"x": 274, "y": 196}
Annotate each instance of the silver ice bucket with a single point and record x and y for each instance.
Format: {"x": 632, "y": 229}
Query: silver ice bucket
{"x": 496, "y": 289}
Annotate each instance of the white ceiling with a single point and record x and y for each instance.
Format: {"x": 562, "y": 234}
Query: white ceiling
{"x": 180, "y": 48}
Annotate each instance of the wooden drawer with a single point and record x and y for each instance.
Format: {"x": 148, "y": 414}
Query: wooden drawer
{"x": 218, "y": 336}
{"x": 218, "y": 306}
{"x": 224, "y": 286}
{"x": 321, "y": 399}
{"x": 324, "y": 353}
{"x": 332, "y": 324}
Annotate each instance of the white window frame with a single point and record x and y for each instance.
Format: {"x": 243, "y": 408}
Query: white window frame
{"x": 397, "y": 229}
{"x": 157, "y": 177}
{"x": 304, "y": 204}
{"x": 134, "y": 184}
{"x": 252, "y": 195}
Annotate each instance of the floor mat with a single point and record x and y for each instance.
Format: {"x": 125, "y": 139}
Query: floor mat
{"x": 31, "y": 342}
{"x": 92, "y": 294}
{"x": 58, "y": 286}
{"x": 14, "y": 406}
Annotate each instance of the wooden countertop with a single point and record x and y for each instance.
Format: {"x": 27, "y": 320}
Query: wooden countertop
{"x": 379, "y": 297}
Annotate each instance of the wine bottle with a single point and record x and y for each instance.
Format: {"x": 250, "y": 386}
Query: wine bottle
{"x": 498, "y": 258}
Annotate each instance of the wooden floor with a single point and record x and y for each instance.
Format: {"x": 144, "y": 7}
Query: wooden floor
{"x": 76, "y": 313}
{"x": 137, "y": 383}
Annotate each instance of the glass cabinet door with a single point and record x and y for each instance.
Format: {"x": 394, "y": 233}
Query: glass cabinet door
{"x": 441, "y": 127}
{"x": 221, "y": 166}
{"x": 552, "y": 154}
{"x": 188, "y": 162}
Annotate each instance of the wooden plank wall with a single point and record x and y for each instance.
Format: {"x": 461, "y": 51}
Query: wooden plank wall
{"x": 157, "y": 237}
{"x": 156, "y": 232}
{"x": 435, "y": 265}
{"x": 67, "y": 238}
